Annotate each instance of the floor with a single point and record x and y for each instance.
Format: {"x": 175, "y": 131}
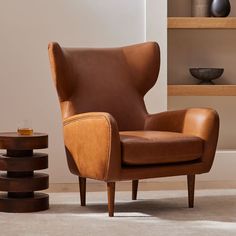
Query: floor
{"x": 160, "y": 212}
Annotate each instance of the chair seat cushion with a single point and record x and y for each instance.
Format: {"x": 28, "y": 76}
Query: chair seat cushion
{"x": 157, "y": 147}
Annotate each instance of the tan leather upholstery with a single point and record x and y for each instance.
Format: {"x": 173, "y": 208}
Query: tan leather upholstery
{"x": 103, "y": 80}
{"x": 157, "y": 147}
{"x": 101, "y": 93}
{"x": 93, "y": 141}
{"x": 200, "y": 122}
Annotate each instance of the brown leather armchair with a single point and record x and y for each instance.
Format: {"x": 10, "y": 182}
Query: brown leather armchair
{"x": 108, "y": 133}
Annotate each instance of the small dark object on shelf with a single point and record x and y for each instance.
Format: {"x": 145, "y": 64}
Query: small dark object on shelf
{"x": 201, "y": 8}
{"x": 220, "y": 8}
{"x": 206, "y": 75}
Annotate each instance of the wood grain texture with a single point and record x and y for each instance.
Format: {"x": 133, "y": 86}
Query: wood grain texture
{"x": 39, "y": 202}
{"x": 201, "y": 90}
{"x": 201, "y": 23}
{"x": 20, "y": 181}
{"x": 38, "y": 161}
{"x": 38, "y": 181}
{"x": 14, "y": 141}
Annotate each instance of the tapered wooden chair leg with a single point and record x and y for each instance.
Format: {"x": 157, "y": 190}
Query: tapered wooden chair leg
{"x": 111, "y": 197}
{"x": 134, "y": 189}
{"x": 82, "y": 188}
{"x": 191, "y": 187}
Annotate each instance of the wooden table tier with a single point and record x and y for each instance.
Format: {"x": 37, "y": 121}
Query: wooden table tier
{"x": 36, "y": 182}
{"x": 38, "y": 161}
{"x": 15, "y": 141}
{"x": 20, "y": 181}
{"x": 39, "y": 202}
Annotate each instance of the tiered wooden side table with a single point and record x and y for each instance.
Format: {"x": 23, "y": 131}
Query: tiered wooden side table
{"x": 19, "y": 179}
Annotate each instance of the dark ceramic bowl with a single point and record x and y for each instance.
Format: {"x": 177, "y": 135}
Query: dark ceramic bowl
{"x": 206, "y": 75}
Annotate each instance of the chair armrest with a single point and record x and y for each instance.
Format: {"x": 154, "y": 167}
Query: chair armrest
{"x": 92, "y": 141}
{"x": 200, "y": 122}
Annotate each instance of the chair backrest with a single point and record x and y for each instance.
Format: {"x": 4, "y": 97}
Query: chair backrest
{"x": 112, "y": 80}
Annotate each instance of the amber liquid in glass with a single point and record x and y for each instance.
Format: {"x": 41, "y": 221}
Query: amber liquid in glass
{"x": 25, "y": 131}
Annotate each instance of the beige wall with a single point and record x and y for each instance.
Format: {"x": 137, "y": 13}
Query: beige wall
{"x": 156, "y": 30}
{"x": 26, "y": 90}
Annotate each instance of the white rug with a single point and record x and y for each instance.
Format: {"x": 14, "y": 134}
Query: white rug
{"x": 154, "y": 213}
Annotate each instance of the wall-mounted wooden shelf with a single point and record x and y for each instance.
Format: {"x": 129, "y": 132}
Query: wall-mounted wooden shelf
{"x": 201, "y": 23}
{"x": 201, "y": 90}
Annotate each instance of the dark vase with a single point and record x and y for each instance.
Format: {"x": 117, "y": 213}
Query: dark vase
{"x": 220, "y": 8}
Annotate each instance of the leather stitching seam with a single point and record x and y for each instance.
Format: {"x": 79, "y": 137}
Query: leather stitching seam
{"x": 108, "y": 143}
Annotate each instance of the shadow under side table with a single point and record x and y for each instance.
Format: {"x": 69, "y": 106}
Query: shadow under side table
{"x": 19, "y": 179}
